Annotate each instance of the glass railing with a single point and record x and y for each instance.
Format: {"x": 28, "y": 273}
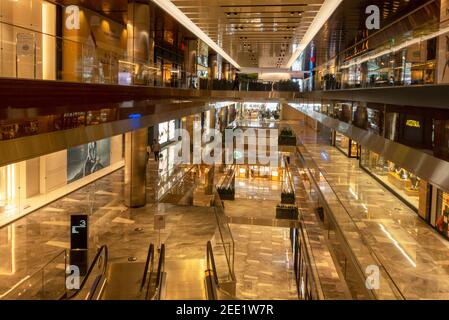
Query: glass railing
{"x": 47, "y": 283}
{"x": 176, "y": 183}
{"x": 354, "y": 242}
{"x": 403, "y": 53}
{"x": 224, "y": 248}
{"x": 30, "y": 54}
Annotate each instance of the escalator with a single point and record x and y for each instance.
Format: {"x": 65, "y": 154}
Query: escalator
{"x": 216, "y": 289}
{"x": 122, "y": 281}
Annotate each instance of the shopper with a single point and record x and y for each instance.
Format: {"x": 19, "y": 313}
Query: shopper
{"x": 156, "y": 150}
{"x": 236, "y": 83}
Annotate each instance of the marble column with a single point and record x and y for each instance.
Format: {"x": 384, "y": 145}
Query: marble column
{"x": 135, "y": 167}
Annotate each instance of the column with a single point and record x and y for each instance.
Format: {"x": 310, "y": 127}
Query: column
{"x": 135, "y": 167}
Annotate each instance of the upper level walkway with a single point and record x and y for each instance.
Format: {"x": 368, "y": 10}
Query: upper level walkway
{"x": 414, "y": 255}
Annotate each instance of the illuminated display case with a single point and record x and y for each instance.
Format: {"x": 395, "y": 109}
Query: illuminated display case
{"x": 406, "y": 185}
{"x": 346, "y": 145}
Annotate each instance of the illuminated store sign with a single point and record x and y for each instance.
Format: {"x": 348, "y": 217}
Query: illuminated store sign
{"x": 413, "y": 123}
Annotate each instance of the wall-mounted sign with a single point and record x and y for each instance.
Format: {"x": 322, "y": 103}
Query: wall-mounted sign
{"x": 159, "y": 222}
{"x": 413, "y": 123}
{"x": 25, "y": 44}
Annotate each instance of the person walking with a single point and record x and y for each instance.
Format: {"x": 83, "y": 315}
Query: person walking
{"x": 156, "y": 150}
{"x": 236, "y": 83}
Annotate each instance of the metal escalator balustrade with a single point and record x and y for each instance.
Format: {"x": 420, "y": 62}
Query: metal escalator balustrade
{"x": 156, "y": 281}
{"x": 95, "y": 280}
{"x": 149, "y": 264}
{"x": 214, "y": 291}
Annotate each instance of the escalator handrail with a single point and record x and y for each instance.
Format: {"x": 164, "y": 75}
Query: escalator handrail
{"x": 160, "y": 273}
{"x": 148, "y": 264}
{"x": 93, "y": 264}
{"x": 211, "y": 263}
{"x": 212, "y": 282}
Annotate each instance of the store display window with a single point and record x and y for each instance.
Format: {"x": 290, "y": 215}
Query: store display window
{"x": 404, "y": 183}
{"x": 442, "y": 214}
{"x": 33, "y": 183}
{"x": 342, "y": 111}
{"x": 167, "y": 131}
{"x": 346, "y": 145}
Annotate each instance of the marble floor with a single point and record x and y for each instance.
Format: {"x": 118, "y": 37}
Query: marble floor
{"x": 259, "y": 193}
{"x": 414, "y": 255}
{"x": 27, "y": 244}
{"x": 263, "y": 255}
{"x": 263, "y": 263}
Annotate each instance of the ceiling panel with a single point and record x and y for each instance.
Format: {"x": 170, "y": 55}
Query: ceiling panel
{"x": 255, "y": 33}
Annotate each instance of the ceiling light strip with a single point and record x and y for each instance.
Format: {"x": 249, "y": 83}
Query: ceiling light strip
{"x": 327, "y": 9}
{"x": 172, "y": 10}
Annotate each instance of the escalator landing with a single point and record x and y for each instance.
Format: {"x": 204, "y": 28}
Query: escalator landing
{"x": 185, "y": 279}
{"x": 124, "y": 280}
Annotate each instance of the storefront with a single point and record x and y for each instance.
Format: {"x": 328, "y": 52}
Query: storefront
{"x": 440, "y": 211}
{"x": 346, "y": 145}
{"x": 25, "y": 186}
{"x": 342, "y": 112}
{"x": 167, "y": 131}
{"x": 407, "y": 186}
{"x": 260, "y": 172}
{"x": 203, "y": 63}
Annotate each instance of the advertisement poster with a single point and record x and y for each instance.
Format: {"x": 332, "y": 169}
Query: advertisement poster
{"x": 88, "y": 158}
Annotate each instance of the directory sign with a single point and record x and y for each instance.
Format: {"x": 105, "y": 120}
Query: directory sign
{"x": 79, "y": 242}
{"x": 78, "y": 232}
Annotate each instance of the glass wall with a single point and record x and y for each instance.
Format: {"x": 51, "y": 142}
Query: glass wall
{"x": 442, "y": 213}
{"x": 404, "y": 183}
{"x": 167, "y": 131}
{"x": 346, "y": 145}
{"x": 121, "y": 43}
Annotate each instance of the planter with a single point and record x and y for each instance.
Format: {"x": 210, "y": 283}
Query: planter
{"x": 287, "y": 140}
{"x": 226, "y": 194}
{"x": 287, "y": 212}
{"x": 288, "y": 198}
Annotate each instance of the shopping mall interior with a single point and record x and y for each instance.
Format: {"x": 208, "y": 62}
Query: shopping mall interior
{"x": 224, "y": 150}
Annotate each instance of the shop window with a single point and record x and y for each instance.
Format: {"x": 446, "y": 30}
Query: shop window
{"x": 404, "y": 183}
{"x": 442, "y": 220}
{"x": 346, "y": 145}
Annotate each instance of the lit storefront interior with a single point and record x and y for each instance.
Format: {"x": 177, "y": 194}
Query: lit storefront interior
{"x": 346, "y": 145}
{"x": 28, "y": 185}
{"x": 260, "y": 172}
{"x": 167, "y": 131}
{"x": 409, "y": 187}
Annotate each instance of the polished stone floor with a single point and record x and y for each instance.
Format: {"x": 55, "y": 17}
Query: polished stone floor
{"x": 27, "y": 244}
{"x": 264, "y": 268}
{"x": 30, "y": 242}
{"x": 414, "y": 255}
{"x": 259, "y": 193}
